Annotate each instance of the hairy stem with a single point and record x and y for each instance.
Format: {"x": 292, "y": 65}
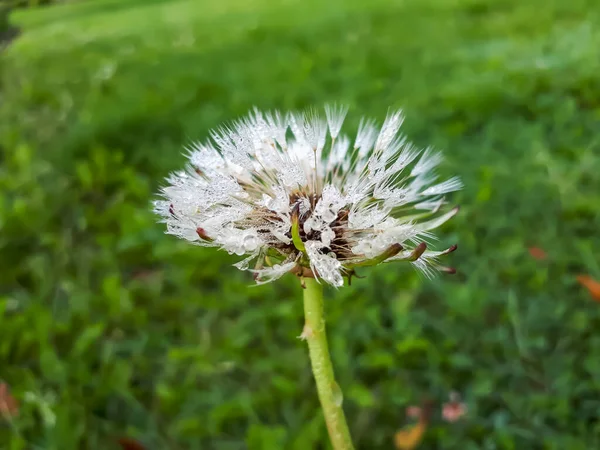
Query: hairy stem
{"x": 330, "y": 394}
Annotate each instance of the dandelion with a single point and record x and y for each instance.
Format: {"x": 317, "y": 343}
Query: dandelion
{"x": 269, "y": 187}
{"x": 293, "y": 194}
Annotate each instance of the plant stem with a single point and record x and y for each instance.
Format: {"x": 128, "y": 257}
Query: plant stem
{"x": 330, "y": 394}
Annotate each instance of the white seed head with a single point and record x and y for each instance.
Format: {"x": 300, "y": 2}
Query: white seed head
{"x": 292, "y": 197}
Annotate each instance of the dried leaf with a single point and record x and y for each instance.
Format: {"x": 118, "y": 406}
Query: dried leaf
{"x": 592, "y": 286}
{"x": 409, "y": 438}
{"x": 127, "y": 443}
{"x": 9, "y": 407}
{"x": 537, "y": 253}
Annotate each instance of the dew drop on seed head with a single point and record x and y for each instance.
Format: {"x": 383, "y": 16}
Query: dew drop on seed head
{"x": 328, "y": 215}
{"x": 308, "y": 225}
{"x": 250, "y": 242}
{"x": 338, "y": 396}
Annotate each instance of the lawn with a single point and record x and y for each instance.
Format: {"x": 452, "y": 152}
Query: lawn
{"x": 110, "y": 328}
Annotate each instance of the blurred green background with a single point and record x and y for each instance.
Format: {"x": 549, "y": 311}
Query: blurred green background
{"x": 109, "y": 328}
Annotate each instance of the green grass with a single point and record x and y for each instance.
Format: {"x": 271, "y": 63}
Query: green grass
{"x": 116, "y": 329}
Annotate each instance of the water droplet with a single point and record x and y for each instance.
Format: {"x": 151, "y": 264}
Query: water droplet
{"x": 329, "y": 215}
{"x": 250, "y": 242}
{"x": 338, "y": 396}
{"x": 308, "y": 225}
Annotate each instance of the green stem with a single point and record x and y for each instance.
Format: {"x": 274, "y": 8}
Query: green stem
{"x": 330, "y": 394}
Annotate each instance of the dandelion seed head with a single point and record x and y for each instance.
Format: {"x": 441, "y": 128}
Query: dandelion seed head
{"x": 293, "y": 194}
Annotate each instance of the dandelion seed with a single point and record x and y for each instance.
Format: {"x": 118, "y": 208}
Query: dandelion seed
{"x": 310, "y": 201}
{"x": 335, "y": 118}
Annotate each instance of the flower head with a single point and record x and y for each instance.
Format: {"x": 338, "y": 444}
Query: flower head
{"x": 295, "y": 195}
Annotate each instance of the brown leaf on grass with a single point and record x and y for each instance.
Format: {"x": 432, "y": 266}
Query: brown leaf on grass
{"x": 410, "y": 437}
{"x": 9, "y": 407}
{"x": 537, "y": 253}
{"x": 127, "y": 443}
{"x": 591, "y": 285}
